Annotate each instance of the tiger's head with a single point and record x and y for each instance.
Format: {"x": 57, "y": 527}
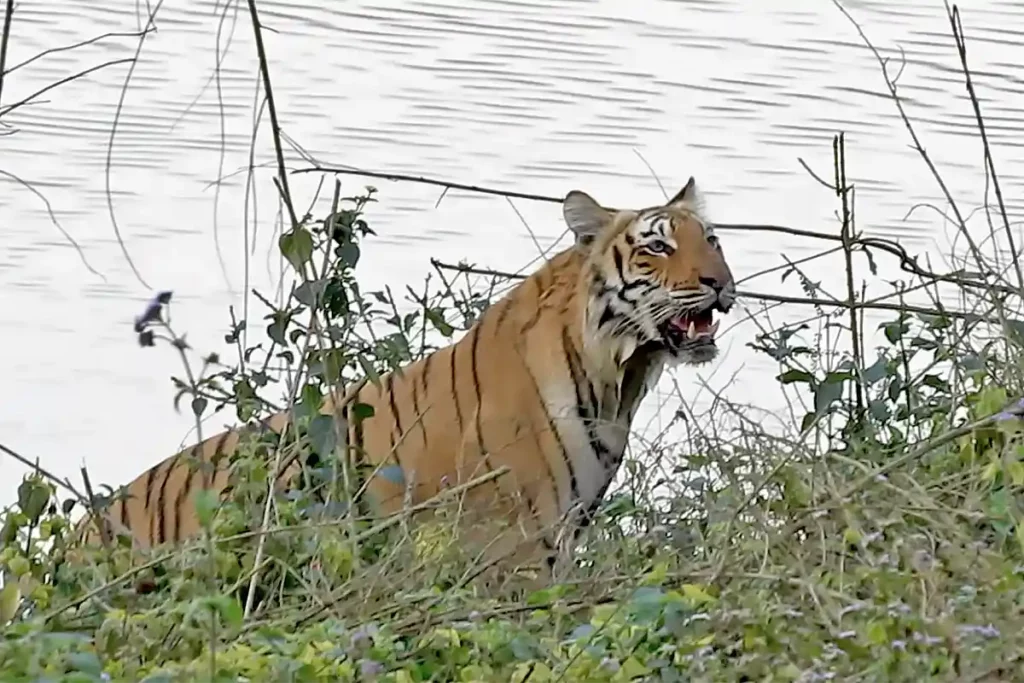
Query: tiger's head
{"x": 655, "y": 277}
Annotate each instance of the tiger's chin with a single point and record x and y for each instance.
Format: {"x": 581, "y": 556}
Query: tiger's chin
{"x": 689, "y": 338}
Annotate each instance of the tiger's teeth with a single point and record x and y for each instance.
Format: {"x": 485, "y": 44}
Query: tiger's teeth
{"x": 714, "y": 328}
{"x": 691, "y": 331}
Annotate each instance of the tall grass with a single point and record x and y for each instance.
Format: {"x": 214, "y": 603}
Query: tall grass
{"x": 874, "y": 533}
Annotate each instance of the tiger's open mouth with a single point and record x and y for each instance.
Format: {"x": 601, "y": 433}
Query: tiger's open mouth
{"x": 694, "y": 328}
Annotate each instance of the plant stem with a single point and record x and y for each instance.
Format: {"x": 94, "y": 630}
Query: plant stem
{"x": 5, "y": 37}
{"x": 275, "y": 127}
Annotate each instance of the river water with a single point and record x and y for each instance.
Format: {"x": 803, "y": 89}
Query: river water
{"x": 536, "y": 96}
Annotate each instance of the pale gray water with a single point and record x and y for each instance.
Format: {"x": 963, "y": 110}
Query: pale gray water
{"x": 531, "y": 95}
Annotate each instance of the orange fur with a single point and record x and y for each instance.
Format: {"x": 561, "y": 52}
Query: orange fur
{"x": 546, "y": 383}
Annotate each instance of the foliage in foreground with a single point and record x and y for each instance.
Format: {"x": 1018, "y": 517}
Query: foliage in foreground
{"x": 881, "y": 541}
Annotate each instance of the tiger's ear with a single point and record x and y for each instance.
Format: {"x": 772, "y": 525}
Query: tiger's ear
{"x": 689, "y": 195}
{"x": 584, "y": 216}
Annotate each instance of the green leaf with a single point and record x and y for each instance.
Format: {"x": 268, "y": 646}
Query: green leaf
{"x": 879, "y": 410}
{"x": 311, "y": 401}
{"x": 349, "y": 254}
{"x": 825, "y": 395}
{"x": 229, "y": 609}
{"x": 206, "y": 506}
{"x": 791, "y": 376}
{"x": 33, "y": 496}
{"x": 9, "y": 598}
{"x": 308, "y": 293}
{"x": 438, "y": 321}
{"x": 877, "y": 634}
{"x": 86, "y": 662}
{"x": 696, "y": 594}
{"x": 632, "y": 668}
{"x": 894, "y": 331}
{"x": 296, "y": 246}
{"x": 198, "y": 405}
{"x": 876, "y": 371}
{"x": 9, "y": 531}
{"x": 322, "y": 435}
{"x": 362, "y": 411}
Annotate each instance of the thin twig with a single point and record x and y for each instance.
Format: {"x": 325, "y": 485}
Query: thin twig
{"x": 5, "y": 37}
{"x": 961, "y": 48}
{"x": 4, "y": 111}
{"x": 773, "y": 298}
{"x": 73, "y": 46}
{"x": 49, "y": 475}
{"x": 275, "y": 127}
{"x": 843, "y": 191}
{"x": 907, "y": 263}
{"x": 110, "y": 144}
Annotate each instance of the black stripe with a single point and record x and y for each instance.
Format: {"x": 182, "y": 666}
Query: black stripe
{"x": 417, "y": 415}
{"x": 630, "y": 286}
{"x": 554, "y": 433}
{"x": 633, "y": 284}
{"x": 151, "y": 501}
{"x": 357, "y": 426}
{"x": 389, "y": 388}
{"x": 426, "y": 370}
{"x": 161, "y": 517}
{"x": 150, "y": 477}
{"x": 478, "y": 395}
{"x": 183, "y": 494}
{"x": 538, "y": 309}
{"x": 473, "y": 365}
{"x": 125, "y": 521}
{"x": 455, "y": 389}
{"x": 607, "y": 315}
{"x": 617, "y": 258}
{"x": 506, "y": 306}
{"x": 346, "y": 415}
{"x": 216, "y": 455}
{"x": 179, "y": 499}
{"x": 534, "y": 319}
{"x": 587, "y": 414}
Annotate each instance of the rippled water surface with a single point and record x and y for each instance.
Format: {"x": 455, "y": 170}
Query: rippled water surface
{"x": 528, "y": 95}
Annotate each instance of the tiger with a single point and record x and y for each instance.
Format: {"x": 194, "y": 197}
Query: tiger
{"x": 545, "y": 383}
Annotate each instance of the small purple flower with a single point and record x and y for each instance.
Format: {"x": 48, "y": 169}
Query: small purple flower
{"x": 362, "y": 637}
{"x": 152, "y": 310}
{"x": 1012, "y": 412}
{"x": 370, "y": 667}
{"x": 610, "y": 664}
{"x": 987, "y": 631}
{"x": 926, "y": 639}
